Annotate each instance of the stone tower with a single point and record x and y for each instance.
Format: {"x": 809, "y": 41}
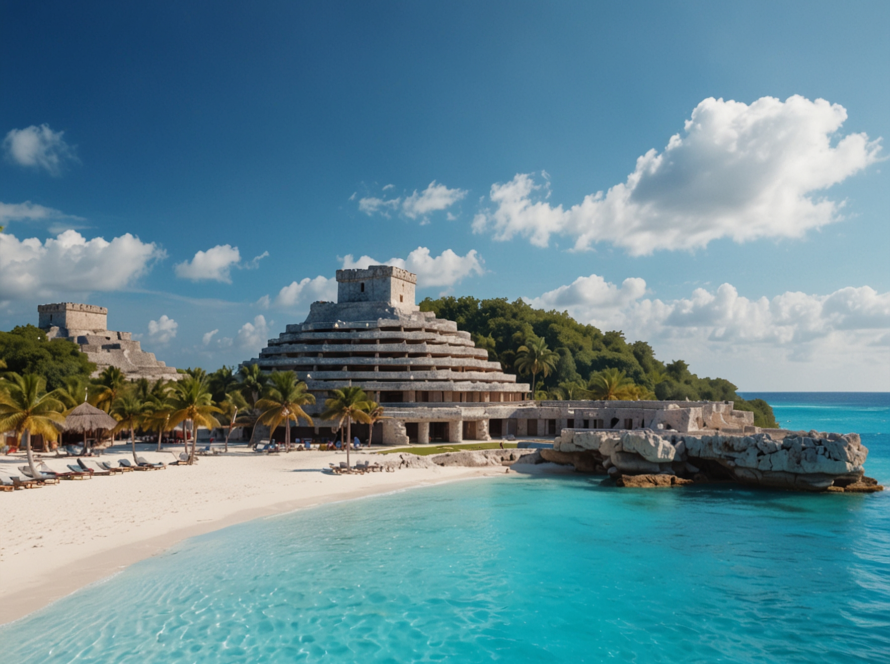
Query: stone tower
{"x": 86, "y": 325}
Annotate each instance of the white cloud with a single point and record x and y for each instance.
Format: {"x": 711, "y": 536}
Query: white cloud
{"x": 254, "y": 262}
{"x": 161, "y": 331}
{"x": 436, "y": 197}
{"x": 253, "y": 336}
{"x": 29, "y": 211}
{"x": 792, "y": 341}
{"x": 738, "y": 171}
{"x": 208, "y": 336}
{"x": 307, "y": 290}
{"x": 371, "y": 205}
{"x": 723, "y": 316}
{"x": 446, "y": 269}
{"x": 214, "y": 264}
{"x": 68, "y": 263}
{"x": 38, "y": 147}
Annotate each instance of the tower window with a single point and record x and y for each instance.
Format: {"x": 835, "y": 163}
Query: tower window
{"x": 401, "y": 298}
{"x": 363, "y": 287}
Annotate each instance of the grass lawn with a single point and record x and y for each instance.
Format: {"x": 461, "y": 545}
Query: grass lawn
{"x": 426, "y": 450}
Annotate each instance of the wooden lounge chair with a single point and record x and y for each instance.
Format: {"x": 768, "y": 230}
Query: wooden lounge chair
{"x": 142, "y": 461}
{"x": 111, "y": 469}
{"x": 92, "y": 471}
{"x": 41, "y": 477}
{"x": 46, "y": 470}
{"x": 125, "y": 463}
{"x": 77, "y": 470}
{"x": 6, "y": 485}
{"x": 19, "y": 483}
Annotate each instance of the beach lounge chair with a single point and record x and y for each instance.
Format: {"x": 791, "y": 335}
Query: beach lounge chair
{"x": 142, "y": 461}
{"x": 125, "y": 463}
{"x": 19, "y": 483}
{"x": 93, "y": 471}
{"x": 41, "y": 477}
{"x": 104, "y": 465}
{"x": 64, "y": 475}
{"x": 6, "y": 485}
{"x": 77, "y": 470}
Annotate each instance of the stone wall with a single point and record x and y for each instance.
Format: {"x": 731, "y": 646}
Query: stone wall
{"x": 72, "y": 316}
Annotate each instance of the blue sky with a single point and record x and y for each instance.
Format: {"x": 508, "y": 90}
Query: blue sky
{"x": 467, "y": 142}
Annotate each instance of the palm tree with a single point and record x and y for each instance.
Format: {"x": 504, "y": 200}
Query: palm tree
{"x": 375, "y": 414}
{"x": 534, "y": 358}
{"x": 25, "y": 407}
{"x": 610, "y": 385}
{"x": 74, "y": 391}
{"x": 347, "y": 404}
{"x": 571, "y": 391}
{"x": 107, "y": 387}
{"x": 129, "y": 412}
{"x": 229, "y": 407}
{"x": 221, "y": 383}
{"x": 283, "y": 401}
{"x": 251, "y": 384}
{"x": 191, "y": 401}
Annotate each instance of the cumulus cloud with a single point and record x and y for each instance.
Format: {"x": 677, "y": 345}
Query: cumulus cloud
{"x": 38, "y": 148}
{"x": 69, "y": 262}
{"x": 305, "y": 291}
{"x": 446, "y": 269}
{"x": 793, "y": 320}
{"x": 215, "y": 264}
{"x": 253, "y": 336}
{"x": 161, "y": 331}
{"x": 435, "y": 198}
{"x": 208, "y": 337}
{"x": 737, "y": 171}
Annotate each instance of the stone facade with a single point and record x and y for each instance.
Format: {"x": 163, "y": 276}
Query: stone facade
{"x": 86, "y": 325}
{"x": 433, "y": 382}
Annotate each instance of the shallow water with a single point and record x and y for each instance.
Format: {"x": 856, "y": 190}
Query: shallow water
{"x": 530, "y": 569}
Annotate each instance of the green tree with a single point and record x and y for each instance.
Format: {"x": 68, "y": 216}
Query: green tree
{"x": 108, "y": 387}
{"x": 347, "y": 404}
{"x": 222, "y": 382}
{"x": 191, "y": 401}
{"x": 284, "y": 399}
{"x": 229, "y": 408}
{"x": 129, "y": 412}
{"x": 73, "y": 392}
{"x": 375, "y": 413}
{"x": 252, "y": 382}
{"x": 535, "y": 357}
{"x": 26, "y": 350}
{"x": 610, "y": 385}
{"x": 26, "y": 408}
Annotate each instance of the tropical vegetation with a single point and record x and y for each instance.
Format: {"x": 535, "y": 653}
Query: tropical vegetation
{"x": 515, "y": 334}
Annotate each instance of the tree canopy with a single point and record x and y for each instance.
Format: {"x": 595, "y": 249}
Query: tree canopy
{"x": 586, "y": 355}
{"x": 26, "y": 350}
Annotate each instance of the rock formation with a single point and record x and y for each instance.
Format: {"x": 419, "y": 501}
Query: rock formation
{"x": 807, "y": 461}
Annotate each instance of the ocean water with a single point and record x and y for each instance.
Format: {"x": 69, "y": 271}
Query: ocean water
{"x": 554, "y": 569}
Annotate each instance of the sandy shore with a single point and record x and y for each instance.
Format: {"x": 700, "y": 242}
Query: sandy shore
{"x": 59, "y": 538}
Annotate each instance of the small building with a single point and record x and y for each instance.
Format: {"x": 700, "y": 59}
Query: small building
{"x": 435, "y": 385}
{"x": 86, "y": 325}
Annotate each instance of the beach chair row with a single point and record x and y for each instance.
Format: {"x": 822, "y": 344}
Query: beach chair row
{"x": 81, "y": 471}
{"x": 359, "y": 468}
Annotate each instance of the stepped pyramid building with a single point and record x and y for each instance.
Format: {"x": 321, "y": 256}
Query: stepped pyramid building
{"x": 86, "y": 325}
{"x": 435, "y": 385}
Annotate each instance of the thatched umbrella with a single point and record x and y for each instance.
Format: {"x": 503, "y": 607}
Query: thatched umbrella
{"x": 87, "y": 418}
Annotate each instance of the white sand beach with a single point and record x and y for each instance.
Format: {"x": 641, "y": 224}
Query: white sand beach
{"x": 59, "y": 538}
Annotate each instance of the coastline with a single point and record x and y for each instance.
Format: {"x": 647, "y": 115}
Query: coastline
{"x": 57, "y": 540}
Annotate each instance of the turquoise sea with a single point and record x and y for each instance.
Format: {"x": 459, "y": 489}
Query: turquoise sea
{"x": 557, "y": 569}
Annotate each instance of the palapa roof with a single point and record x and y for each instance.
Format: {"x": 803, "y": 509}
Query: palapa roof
{"x": 88, "y": 418}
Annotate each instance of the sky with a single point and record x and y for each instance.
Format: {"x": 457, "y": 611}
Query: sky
{"x": 707, "y": 177}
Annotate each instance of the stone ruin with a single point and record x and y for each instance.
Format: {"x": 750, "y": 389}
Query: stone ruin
{"x": 86, "y": 325}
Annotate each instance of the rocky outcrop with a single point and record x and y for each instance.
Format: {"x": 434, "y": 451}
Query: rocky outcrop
{"x": 650, "y": 481}
{"x": 468, "y": 459}
{"x": 808, "y": 461}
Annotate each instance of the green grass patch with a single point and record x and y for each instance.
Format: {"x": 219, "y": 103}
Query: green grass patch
{"x": 426, "y": 450}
